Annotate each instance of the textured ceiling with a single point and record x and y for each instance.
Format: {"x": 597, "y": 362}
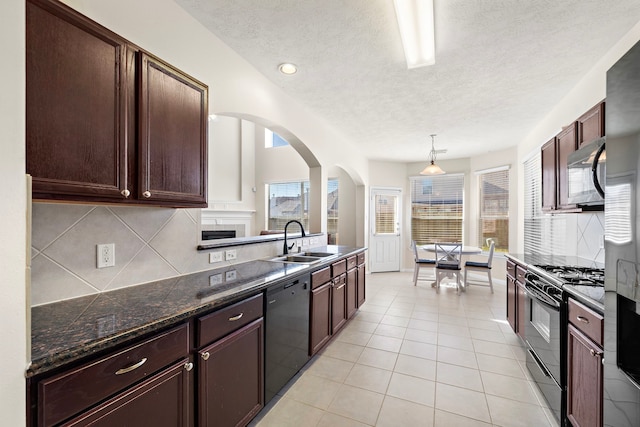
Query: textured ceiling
{"x": 501, "y": 65}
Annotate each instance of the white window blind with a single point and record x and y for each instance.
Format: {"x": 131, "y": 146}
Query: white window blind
{"x": 437, "y": 208}
{"x": 332, "y": 211}
{"x": 543, "y": 233}
{"x": 494, "y": 209}
{"x": 287, "y": 201}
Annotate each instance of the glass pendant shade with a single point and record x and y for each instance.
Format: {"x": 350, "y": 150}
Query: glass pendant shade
{"x": 432, "y": 168}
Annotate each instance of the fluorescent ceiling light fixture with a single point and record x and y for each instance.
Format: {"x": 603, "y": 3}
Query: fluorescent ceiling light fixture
{"x": 415, "y": 21}
{"x": 288, "y": 68}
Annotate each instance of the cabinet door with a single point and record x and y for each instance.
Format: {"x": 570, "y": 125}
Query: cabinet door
{"x": 591, "y": 125}
{"x": 567, "y": 143}
{"x": 231, "y": 378}
{"x": 76, "y": 105}
{"x": 549, "y": 195}
{"x": 172, "y": 135}
{"x": 164, "y": 400}
{"x": 352, "y": 291}
{"x": 520, "y": 309}
{"x": 338, "y": 303}
{"x": 361, "y": 284}
{"x": 320, "y": 317}
{"x": 584, "y": 380}
{"x": 511, "y": 302}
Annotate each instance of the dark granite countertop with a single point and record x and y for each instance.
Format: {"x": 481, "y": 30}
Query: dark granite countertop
{"x": 69, "y": 330}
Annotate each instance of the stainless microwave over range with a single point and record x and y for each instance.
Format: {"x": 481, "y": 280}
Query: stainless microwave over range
{"x": 586, "y": 175}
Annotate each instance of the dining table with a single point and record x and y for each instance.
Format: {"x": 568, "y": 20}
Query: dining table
{"x": 465, "y": 251}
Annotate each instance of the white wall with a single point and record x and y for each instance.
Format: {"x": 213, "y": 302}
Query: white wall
{"x": 13, "y": 225}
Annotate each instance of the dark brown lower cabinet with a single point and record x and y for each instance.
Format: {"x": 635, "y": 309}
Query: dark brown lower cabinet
{"x": 584, "y": 380}
{"x": 231, "y": 378}
{"x": 352, "y": 291}
{"x": 361, "y": 286}
{"x": 339, "y": 303}
{"x": 520, "y": 309}
{"x": 320, "y": 321}
{"x": 511, "y": 302}
{"x": 164, "y": 400}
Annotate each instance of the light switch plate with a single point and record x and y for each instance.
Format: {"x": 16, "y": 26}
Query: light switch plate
{"x": 215, "y": 257}
{"x": 230, "y": 254}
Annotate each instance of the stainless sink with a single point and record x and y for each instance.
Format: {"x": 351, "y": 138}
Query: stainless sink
{"x": 305, "y": 257}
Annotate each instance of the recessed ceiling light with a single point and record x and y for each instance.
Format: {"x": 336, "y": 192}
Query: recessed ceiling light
{"x": 288, "y": 68}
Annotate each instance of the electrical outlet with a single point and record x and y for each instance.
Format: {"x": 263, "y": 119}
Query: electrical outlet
{"x": 230, "y": 276}
{"x": 106, "y": 255}
{"x": 215, "y": 257}
{"x": 230, "y": 254}
{"x": 215, "y": 279}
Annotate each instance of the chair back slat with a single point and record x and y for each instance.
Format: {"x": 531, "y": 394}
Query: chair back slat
{"x": 448, "y": 252}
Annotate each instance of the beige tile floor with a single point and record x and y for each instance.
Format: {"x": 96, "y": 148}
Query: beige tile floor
{"x": 411, "y": 357}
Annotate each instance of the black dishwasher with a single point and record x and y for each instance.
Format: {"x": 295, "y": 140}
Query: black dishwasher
{"x": 287, "y": 332}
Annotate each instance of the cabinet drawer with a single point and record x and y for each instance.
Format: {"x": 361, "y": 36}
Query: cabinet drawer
{"x": 337, "y": 268}
{"x": 320, "y": 277}
{"x": 360, "y": 258}
{"x": 218, "y": 324}
{"x": 520, "y": 272}
{"x": 351, "y": 262}
{"x": 587, "y": 321}
{"x": 69, "y": 393}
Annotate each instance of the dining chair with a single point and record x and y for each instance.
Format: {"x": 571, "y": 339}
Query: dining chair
{"x": 420, "y": 263}
{"x": 448, "y": 257}
{"x": 482, "y": 267}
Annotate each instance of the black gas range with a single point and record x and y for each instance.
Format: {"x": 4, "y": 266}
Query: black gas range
{"x": 586, "y": 282}
{"x": 548, "y": 288}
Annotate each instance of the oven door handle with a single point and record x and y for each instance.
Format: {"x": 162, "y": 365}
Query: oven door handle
{"x": 542, "y": 298}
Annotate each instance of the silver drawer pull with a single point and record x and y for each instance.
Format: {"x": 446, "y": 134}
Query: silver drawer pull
{"x": 340, "y": 287}
{"x": 234, "y": 318}
{"x": 205, "y": 355}
{"x": 131, "y": 368}
{"x": 188, "y": 366}
{"x": 582, "y": 319}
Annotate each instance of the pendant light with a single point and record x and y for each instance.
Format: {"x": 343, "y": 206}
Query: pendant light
{"x": 432, "y": 168}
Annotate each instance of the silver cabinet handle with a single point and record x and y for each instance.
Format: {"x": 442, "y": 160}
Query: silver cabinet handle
{"x": 132, "y": 367}
{"x": 205, "y": 355}
{"x": 188, "y": 366}
{"x": 125, "y": 193}
{"x": 234, "y": 318}
{"x": 146, "y": 194}
{"x": 582, "y": 319}
{"x": 340, "y": 287}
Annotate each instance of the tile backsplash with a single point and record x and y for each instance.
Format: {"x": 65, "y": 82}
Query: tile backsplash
{"x": 150, "y": 244}
{"x": 590, "y": 238}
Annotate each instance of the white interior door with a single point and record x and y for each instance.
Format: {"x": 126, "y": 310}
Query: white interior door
{"x": 384, "y": 239}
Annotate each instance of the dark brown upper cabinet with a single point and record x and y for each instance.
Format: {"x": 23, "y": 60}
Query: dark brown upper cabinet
{"x": 105, "y": 120}
{"x": 591, "y": 124}
{"x": 172, "y": 134}
{"x": 567, "y": 143}
{"x": 555, "y": 181}
{"x": 549, "y": 176}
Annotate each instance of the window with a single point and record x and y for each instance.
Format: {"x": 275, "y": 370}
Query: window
{"x": 494, "y": 208}
{"x": 543, "y": 233}
{"x": 437, "y": 208}
{"x": 332, "y": 211}
{"x": 287, "y": 201}
{"x": 272, "y": 139}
